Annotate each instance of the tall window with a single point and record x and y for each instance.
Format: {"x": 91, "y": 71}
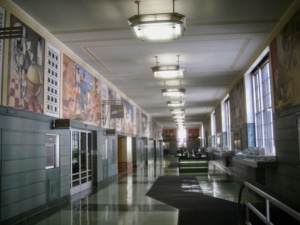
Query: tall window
{"x": 227, "y": 122}
{"x": 213, "y": 129}
{"x": 263, "y": 109}
{"x": 182, "y": 137}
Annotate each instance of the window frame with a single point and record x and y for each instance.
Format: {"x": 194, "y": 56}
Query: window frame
{"x": 53, "y": 145}
{"x": 227, "y": 121}
{"x": 263, "y": 107}
{"x": 213, "y": 129}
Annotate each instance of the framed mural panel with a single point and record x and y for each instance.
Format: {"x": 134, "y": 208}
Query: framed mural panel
{"x": 119, "y": 119}
{"x": 26, "y": 70}
{"x": 169, "y": 135}
{"x": 81, "y": 94}
{"x": 145, "y": 125}
{"x": 112, "y": 108}
{"x": 127, "y": 122}
{"x": 2, "y": 23}
{"x": 237, "y": 105}
{"x": 285, "y": 57}
{"x": 112, "y": 97}
{"x": 138, "y": 122}
{"x": 192, "y": 133}
{"x": 105, "y": 107}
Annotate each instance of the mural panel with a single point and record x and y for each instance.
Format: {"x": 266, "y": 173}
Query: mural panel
{"x": 127, "y": 121}
{"x": 112, "y": 97}
{"x": 105, "y": 107}
{"x": 169, "y": 135}
{"x": 81, "y": 94}
{"x": 144, "y": 125}
{"x": 192, "y": 133}
{"x": 26, "y": 70}
{"x": 138, "y": 122}
{"x": 285, "y": 56}
{"x": 2, "y": 23}
{"x": 237, "y": 105}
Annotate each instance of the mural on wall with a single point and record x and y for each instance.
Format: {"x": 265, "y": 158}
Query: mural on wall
{"x": 81, "y": 94}
{"x": 26, "y": 70}
{"x": 113, "y": 110}
{"x": 118, "y": 120}
{"x": 218, "y": 113}
{"x": 96, "y": 103}
{"x": 169, "y": 135}
{"x": 111, "y": 98}
{"x": 144, "y": 125}
{"x": 134, "y": 124}
{"x": 237, "y": 105}
{"x": 138, "y": 122}
{"x": 128, "y": 120}
{"x": 156, "y": 130}
{"x": 2, "y": 24}
{"x": 105, "y": 116}
{"x": 192, "y": 133}
{"x": 285, "y": 56}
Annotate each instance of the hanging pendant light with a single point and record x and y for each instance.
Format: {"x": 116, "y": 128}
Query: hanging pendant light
{"x": 168, "y": 71}
{"x": 175, "y": 103}
{"x": 158, "y": 26}
{"x": 173, "y": 92}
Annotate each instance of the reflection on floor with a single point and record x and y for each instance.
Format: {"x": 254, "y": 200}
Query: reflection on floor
{"x": 124, "y": 202}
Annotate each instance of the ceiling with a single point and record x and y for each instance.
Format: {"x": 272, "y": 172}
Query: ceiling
{"x": 222, "y": 38}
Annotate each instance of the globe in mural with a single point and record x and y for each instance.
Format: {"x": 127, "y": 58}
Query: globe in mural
{"x": 34, "y": 80}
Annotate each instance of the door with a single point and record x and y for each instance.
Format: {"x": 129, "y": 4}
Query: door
{"x": 81, "y": 171}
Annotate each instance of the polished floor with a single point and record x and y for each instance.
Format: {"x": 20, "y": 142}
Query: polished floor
{"x": 124, "y": 202}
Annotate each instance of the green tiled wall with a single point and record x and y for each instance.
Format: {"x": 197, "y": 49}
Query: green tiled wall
{"x": 25, "y": 183}
{"x": 26, "y": 186}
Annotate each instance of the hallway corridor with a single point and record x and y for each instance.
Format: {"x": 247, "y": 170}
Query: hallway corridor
{"x": 124, "y": 201}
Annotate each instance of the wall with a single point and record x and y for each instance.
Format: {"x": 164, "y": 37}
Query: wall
{"x": 25, "y": 183}
{"x": 284, "y": 181}
{"x": 26, "y": 186}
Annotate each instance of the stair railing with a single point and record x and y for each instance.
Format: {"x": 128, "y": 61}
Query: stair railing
{"x": 269, "y": 199}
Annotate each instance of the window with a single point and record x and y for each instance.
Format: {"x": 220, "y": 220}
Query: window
{"x": 227, "y": 122}
{"x": 263, "y": 109}
{"x": 52, "y": 151}
{"x": 182, "y": 137}
{"x": 213, "y": 129}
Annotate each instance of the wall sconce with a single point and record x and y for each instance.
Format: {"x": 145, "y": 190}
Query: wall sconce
{"x": 159, "y": 26}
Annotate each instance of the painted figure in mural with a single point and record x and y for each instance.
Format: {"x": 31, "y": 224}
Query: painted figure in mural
{"x": 26, "y": 81}
{"x": 83, "y": 91}
{"x": 285, "y": 64}
{"x": 22, "y": 60}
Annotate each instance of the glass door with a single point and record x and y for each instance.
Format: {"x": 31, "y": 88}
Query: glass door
{"x": 81, "y": 177}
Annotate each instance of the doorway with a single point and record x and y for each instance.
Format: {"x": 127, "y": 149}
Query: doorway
{"x": 81, "y": 168}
